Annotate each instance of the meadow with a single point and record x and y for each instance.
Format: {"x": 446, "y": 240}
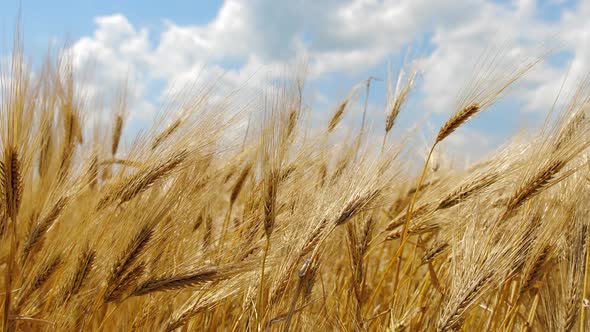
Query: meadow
{"x": 189, "y": 226}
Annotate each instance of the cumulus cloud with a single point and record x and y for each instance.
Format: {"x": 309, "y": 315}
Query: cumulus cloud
{"x": 258, "y": 40}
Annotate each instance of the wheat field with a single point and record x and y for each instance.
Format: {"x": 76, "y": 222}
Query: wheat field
{"x": 196, "y": 224}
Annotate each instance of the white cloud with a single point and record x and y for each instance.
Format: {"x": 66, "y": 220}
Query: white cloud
{"x": 458, "y": 48}
{"x": 263, "y": 38}
{"x": 469, "y": 145}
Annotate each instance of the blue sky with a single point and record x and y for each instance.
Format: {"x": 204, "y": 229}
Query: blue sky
{"x": 48, "y": 19}
{"x": 162, "y": 45}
